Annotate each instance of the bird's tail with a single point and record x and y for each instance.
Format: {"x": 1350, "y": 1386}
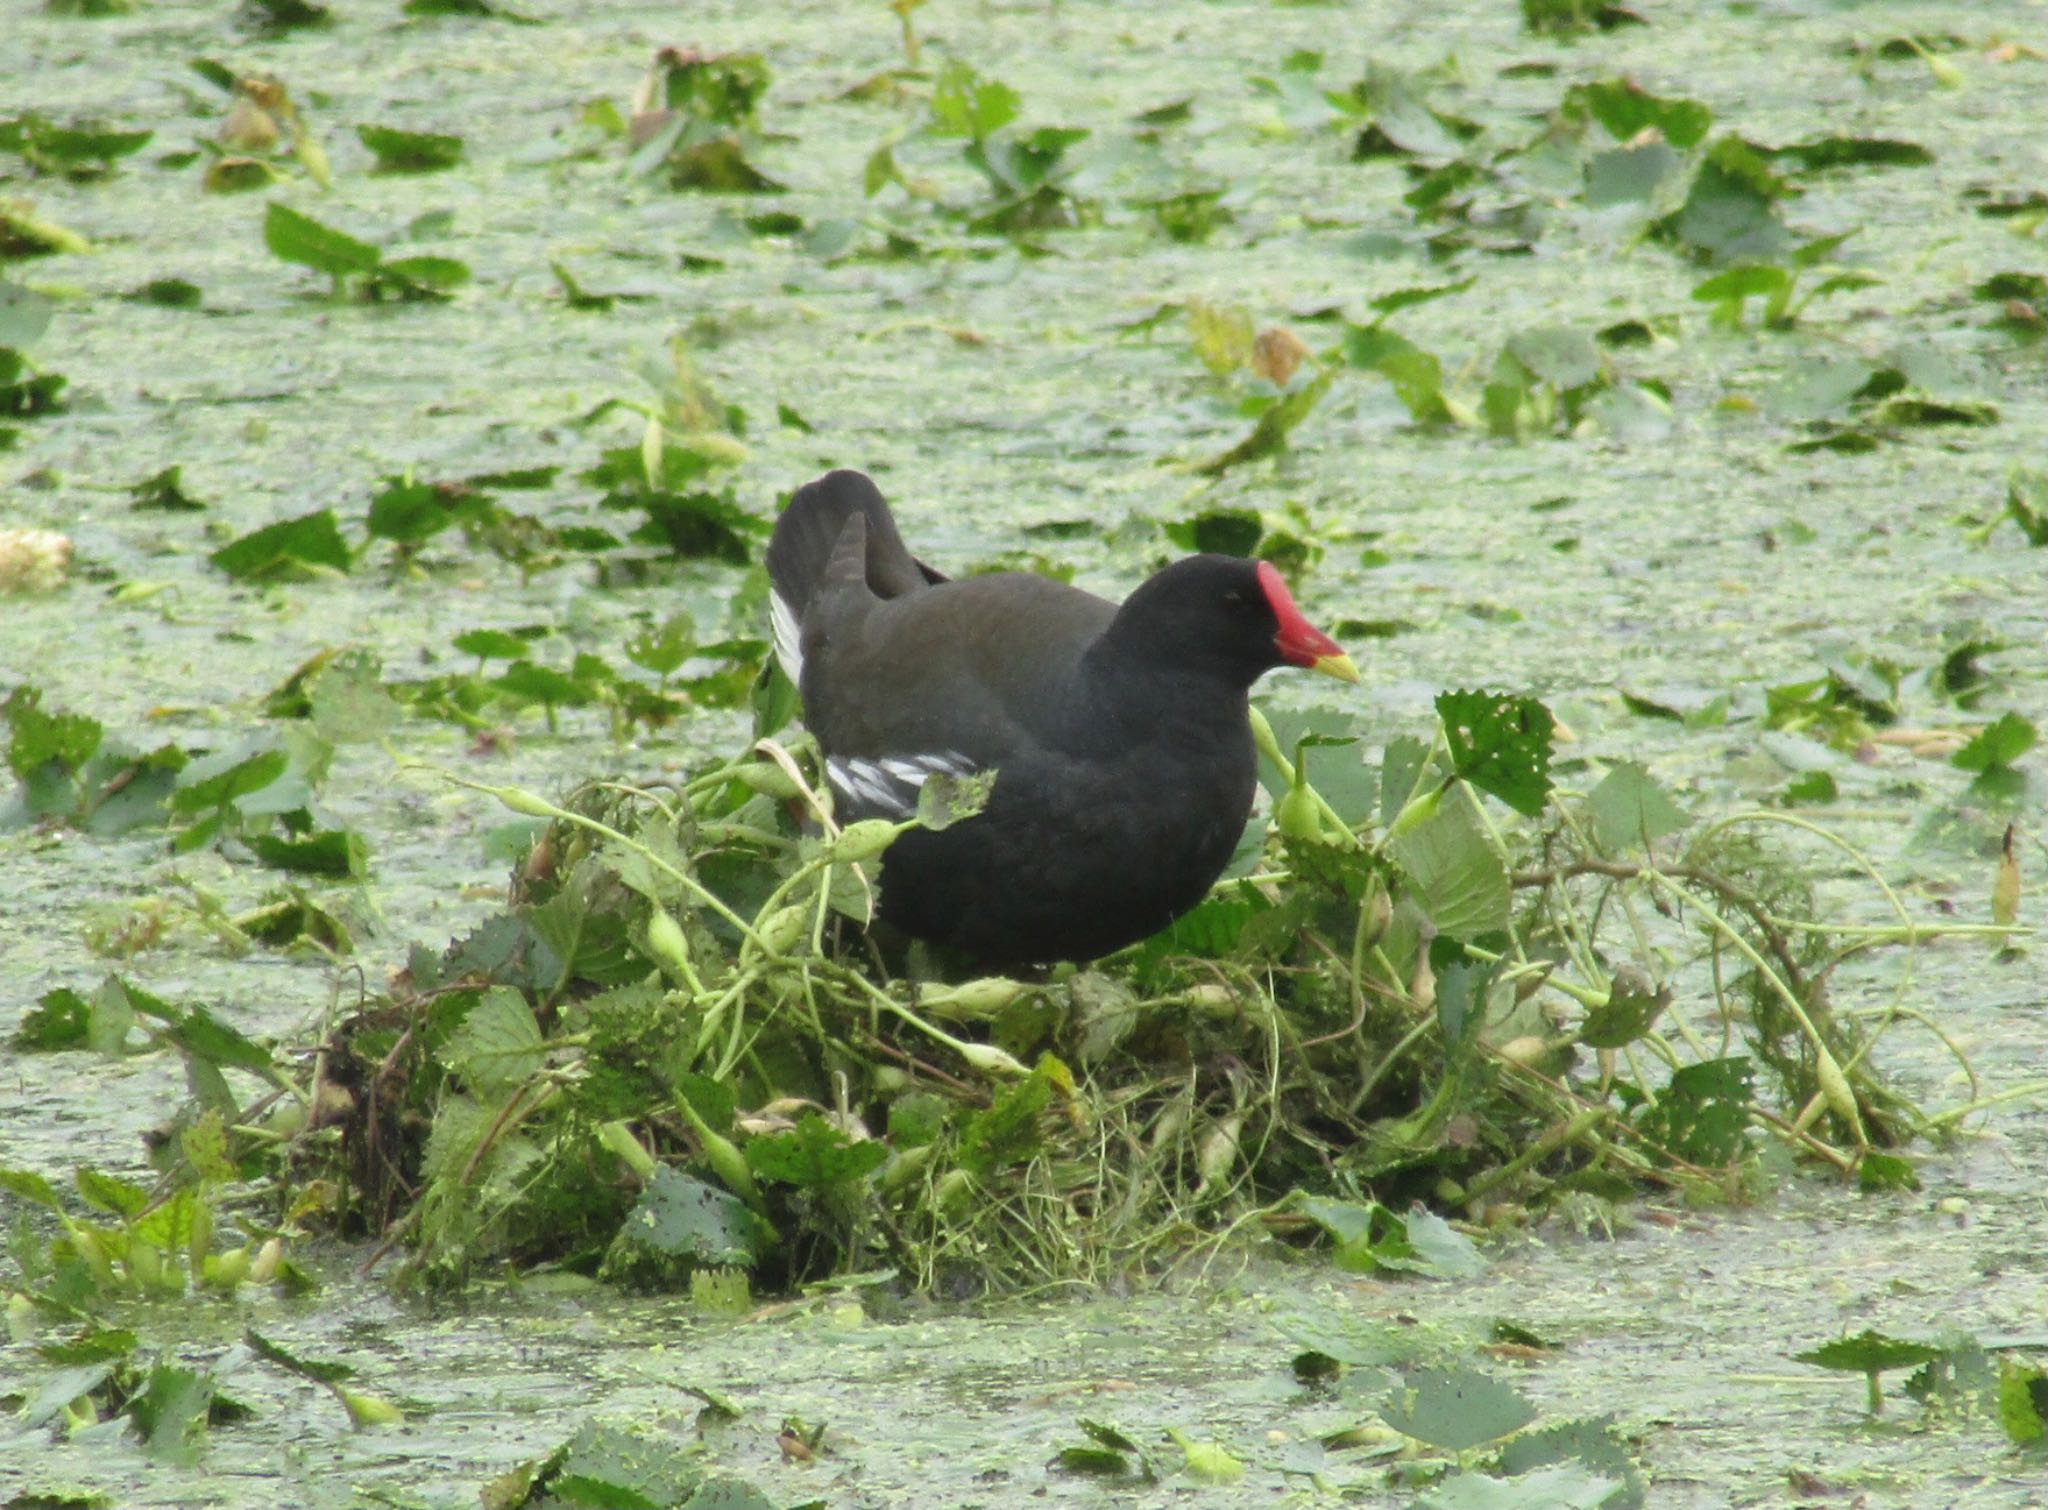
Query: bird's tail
{"x": 802, "y": 547}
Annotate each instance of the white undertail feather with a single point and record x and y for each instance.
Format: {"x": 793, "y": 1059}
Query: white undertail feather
{"x": 889, "y": 785}
{"x": 788, "y": 638}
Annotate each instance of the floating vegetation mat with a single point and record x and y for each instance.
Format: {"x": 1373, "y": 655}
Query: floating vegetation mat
{"x": 1440, "y": 978}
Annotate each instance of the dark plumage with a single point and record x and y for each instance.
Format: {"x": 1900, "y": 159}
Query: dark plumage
{"x": 1119, "y": 734}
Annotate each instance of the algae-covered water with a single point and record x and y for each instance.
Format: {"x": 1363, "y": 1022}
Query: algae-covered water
{"x": 1018, "y": 400}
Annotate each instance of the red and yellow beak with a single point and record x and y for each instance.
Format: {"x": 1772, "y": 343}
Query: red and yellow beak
{"x": 1299, "y": 642}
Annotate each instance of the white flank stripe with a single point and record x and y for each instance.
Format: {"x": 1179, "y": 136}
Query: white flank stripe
{"x": 889, "y": 785}
{"x": 788, "y": 638}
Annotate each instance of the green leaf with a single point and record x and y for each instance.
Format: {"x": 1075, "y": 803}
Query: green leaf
{"x": 1416, "y": 375}
{"x": 204, "y": 1036}
{"x": 293, "y": 237}
{"x": 813, "y": 1155}
{"x": 410, "y": 151}
{"x": 308, "y": 544}
{"x": 1624, "y": 1017}
{"x": 109, "y": 1193}
{"x": 1629, "y": 175}
{"x": 335, "y": 852}
{"x": 542, "y": 684}
{"x": 39, "y": 738}
{"x": 419, "y": 277}
{"x": 27, "y": 1185}
{"x": 1558, "y": 355}
{"x": 1562, "y": 1486}
{"x": 1702, "y": 1115}
{"x": 320, "y": 1372}
{"x": 58, "y": 1021}
{"x": 964, "y": 104}
{"x": 663, "y": 650}
{"x": 681, "y": 1217}
{"x": 946, "y": 799}
{"x": 2022, "y": 1402}
{"x": 1455, "y": 1409}
{"x": 1631, "y": 809}
{"x": 1501, "y": 744}
{"x": 1626, "y": 110}
{"x": 1460, "y": 877}
{"x": 1730, "y": 214}
{"x": 491, "y": 645}
{"x": 164, "y": 491}
{"x": 498, "y": 1045}
{"x": 53, "y": 1394}
{"x": 1869, "y": 1352}
{"x": 215, "y": 781}
{"x": 1007, "y": 1133}
{"x": 1997, "y": 744}
{"x": 24, "y": 315}
{"x": 170, "y": 1413}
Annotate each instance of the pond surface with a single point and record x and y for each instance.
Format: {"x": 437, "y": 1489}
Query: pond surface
{"x": 992, "y": 390}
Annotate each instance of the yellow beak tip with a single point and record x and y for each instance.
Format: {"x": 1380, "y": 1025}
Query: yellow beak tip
{"x": 1338, "y": 665}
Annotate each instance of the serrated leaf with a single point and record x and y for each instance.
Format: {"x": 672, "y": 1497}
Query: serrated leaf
{"x": 1460, "y": 876}
{"x": 1455, "y": 1409}
{"x": 813, "y": 1155}
{"x": 683, "y": 1217}
{"x": 1998, "y": 743}
{"x": 1632, "y": 810}
{"x": 498, "y": 1044}
{"x": 1500, "y": 743}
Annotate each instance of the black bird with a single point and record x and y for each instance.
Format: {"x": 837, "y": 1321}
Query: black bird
{"x": 1120, "y": 735}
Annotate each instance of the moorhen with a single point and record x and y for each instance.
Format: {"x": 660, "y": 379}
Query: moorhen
{"x": 1120, "y": 735}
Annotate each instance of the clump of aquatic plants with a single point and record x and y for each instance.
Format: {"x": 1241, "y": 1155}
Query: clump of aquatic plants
{"x": 694, "y": 121}
{"x": 1028, "y": 173}
{"x": 261, "y": 137}
{"x": 1439, "y": 976}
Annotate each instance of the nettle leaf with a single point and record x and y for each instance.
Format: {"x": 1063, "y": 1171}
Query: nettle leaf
{"x": 58, "y": 1021}
{"x": 498, "y": 1044}
{"x": 1702, "y": 1115}
{"x": 309, "y": 544}
{"x": 1460, "y": 875}
{"x": 1500, "y": 743}
{"x": 1997, "y": 745}
{"x": 1624, "y": 1017}
{"x": 38, "y": 738}
{"x": 1869, "y": 1352}
{"x": 171, "y": 1411}
{"x": 1631, "y": 808}
{"x": 813, "y": 1155}
{"x": 681, "y": 1217}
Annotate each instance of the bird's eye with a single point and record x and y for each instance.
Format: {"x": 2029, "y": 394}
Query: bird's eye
{"x": 1234, "y": 598}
